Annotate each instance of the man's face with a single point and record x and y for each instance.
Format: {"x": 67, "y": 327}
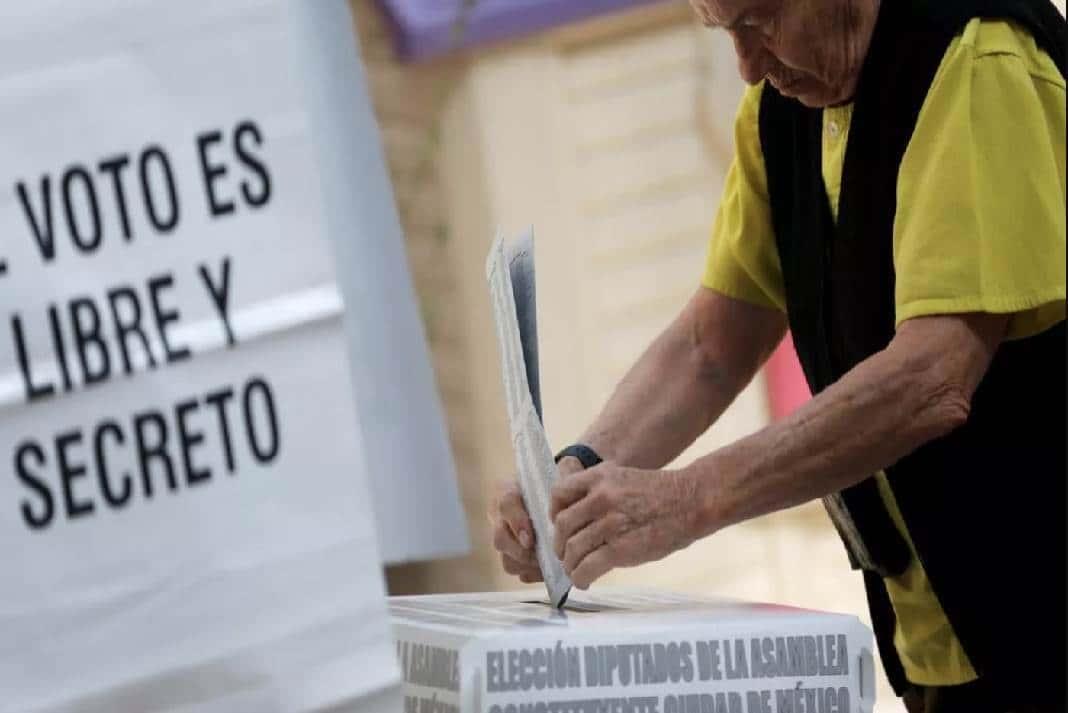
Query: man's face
{"x": 811, "y": 50}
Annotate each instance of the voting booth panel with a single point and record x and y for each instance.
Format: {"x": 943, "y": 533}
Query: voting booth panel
{"x": 406, "y": 446}
{"x": 185, "y": 516}
{"x": 628, "y": 650}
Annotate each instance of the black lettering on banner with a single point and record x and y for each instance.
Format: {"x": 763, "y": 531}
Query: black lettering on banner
{"x": 189, "y": 439}
{"x": 60, "y": 346}
{"x": 116, "y": 501}
{"x": 163, "y": 225}
{"x": 494, "y": 671}
{"x": 719, "y": 702}
{"x": 35, "y": 520}
{"x": 96, "y": 469}
{"x": 257, "y": 198}
{"x": 41, "y": 227}
{"x": 812, "y": 699}
{"x": 114, "y": 167}
{"x": 262, "y": 453}
{"x": 155, "y": 450}
{"x": 32, "y": 390}
{"x": 69, "y": 472}
{"x": 88, "y": 339}
{"x": 90, "y": 241}
{"x": 165, "y": 316}
{"x": 128, "y": 326}
{"x": 708, "y": 661}
{"x": 758, "y": 702}
{"x": 212, "y": 172}
{"x": 737, "y": 666}
{"x": 220, "y": 295}
{"x": 219, "y": 399}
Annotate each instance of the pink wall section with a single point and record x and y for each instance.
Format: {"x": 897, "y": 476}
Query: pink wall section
{"x": 787, "y": 388}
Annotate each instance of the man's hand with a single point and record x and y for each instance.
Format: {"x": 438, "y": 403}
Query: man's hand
{"x": 513, "y": 532}
{"x": 610, "y": 516}
{"x": 677, "y": 389}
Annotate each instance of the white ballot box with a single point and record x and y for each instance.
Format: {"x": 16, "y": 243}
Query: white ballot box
{"x": 628, "y": 651}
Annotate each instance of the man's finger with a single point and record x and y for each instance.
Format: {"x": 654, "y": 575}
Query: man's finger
{"x": 530, "y": 576}
{"x": 571, "y": 520}
{"x": 592, "y": 567}
{"x": 569, "y": 466}
{"x": 572, "y": 488}
{"x": 507, "y": 544}
{"x": 511, "y": 566}
{"x": 514, "y": 513}
{"x": 517, "y": 567}
{"x": 586, "y": 541}
{"x": 523, "y": 570}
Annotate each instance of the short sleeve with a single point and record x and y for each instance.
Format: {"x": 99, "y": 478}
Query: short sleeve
{"x": 743, "y": 259}
{"x": 980, "y": 224}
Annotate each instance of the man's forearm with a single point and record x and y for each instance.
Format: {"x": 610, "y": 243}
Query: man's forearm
{"x": 684, "y": 381}
{"x": 660, "y": 407}
{"x": 885, "y": 408}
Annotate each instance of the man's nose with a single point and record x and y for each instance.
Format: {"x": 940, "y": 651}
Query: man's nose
{"x": 752, "y": 57}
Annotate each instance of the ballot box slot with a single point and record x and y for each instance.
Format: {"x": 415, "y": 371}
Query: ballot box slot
{"x": 576, "y": 607}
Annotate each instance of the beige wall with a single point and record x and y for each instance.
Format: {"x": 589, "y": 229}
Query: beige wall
{"x": 612, "y": 139}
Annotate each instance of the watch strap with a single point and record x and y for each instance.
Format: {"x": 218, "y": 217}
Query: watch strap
{"x": 586, "y": 455}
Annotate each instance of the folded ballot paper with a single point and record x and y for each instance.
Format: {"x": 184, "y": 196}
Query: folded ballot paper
{"x": 510, "y": 272}
{"x": 628, "y": 651}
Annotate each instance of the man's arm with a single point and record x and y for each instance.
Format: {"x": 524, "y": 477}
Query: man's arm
{"x": 917, "y": 389}
{"x": 685, "y": 380}
{"x": 682, "y": 383}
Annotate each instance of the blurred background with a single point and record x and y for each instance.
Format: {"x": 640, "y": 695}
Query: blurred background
{"x": 611, "y": 134}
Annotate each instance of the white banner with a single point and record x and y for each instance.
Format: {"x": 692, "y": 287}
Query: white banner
{"x": 409, "y": 461}
{"x": 185, "y": 520}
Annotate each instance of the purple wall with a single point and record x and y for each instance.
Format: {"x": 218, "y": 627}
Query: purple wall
{"x": 427, "y": 28}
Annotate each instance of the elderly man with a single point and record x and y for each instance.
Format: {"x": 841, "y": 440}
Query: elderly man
{"x": 897, "y": 199}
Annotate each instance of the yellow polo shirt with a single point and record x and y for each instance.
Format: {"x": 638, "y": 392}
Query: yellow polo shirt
{"x": 980, "y": 227}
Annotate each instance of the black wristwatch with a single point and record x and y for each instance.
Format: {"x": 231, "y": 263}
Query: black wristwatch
{"x": 586, "y": 455}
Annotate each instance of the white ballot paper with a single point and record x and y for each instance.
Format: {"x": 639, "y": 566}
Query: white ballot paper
{"x": 534, "y": 458}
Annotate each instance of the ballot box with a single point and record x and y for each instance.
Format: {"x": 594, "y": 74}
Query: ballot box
{"x": 628, "y": 651}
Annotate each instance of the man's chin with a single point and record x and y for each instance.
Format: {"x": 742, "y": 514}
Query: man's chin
{"x": 813, "y": 100}
{"x": 810, "y": 94}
